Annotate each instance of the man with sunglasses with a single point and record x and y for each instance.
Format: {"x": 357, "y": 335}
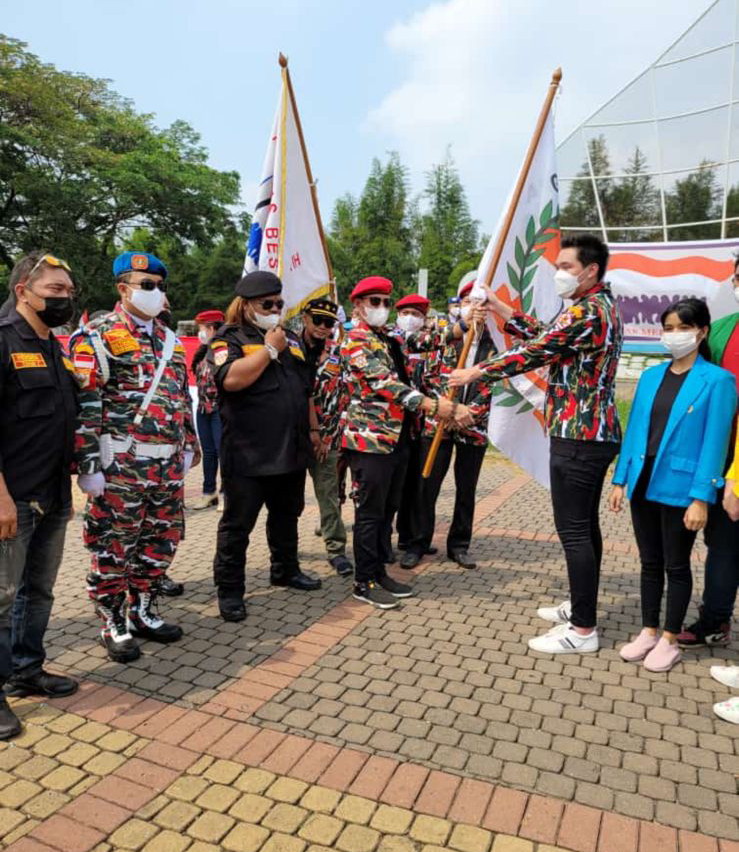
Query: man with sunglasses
{"x": 38, "y": 395}
{"x": 264, "y": 393}
{"x": 376, "y": 435}
{"x": 322, "y": 355}
{"x": 135, "y": 444}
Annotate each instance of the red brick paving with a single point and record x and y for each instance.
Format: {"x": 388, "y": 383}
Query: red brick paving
{"x": 471, "y": 801}
{"x": 405, "y": 785}
{"x": 505, "y": 810}
{"x": 148, "y": 774}
{"x": 579, "y": 828}
{"x": 67, "y": 835}
{"x": 618, "y": 834}
{"x": 657, "y": 838}
{"x": 437, "y": 794}
{"x": 343, "y": 769}
{"x": 373, "y": 777}
{"x": 541, "y": 819}
{"x": 121, "y": 792}
{"x": 96, "y": 813}
{"x": 692, "y": 842}
{"x": 314, "y": 762}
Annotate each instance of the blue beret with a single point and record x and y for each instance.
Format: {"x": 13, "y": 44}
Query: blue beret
{"x": 454, "y": 300}
{"x": 138, "y": 261}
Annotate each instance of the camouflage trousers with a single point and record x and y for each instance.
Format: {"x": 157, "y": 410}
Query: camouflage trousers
{"x": 132, "y": 530}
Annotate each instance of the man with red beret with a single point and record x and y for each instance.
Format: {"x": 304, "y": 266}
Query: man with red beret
{"x": 376, "y": 435}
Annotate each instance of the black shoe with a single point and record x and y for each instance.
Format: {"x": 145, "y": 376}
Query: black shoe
{"x": 396, "y": 589}
{"x": 115, "y": 638}
{"x": 144, "y": 621}
{"x": 402, "y": 545}
{"x": 232, "y": 609}
{"x": 170, "y": 588}
{"x": 41, "y": 683}
{"x": 410, "y": 559}
{"x": 10, "y": 724}
{"x": 374, "y": 594}
{"x": 341, "y": 565}
{"x": 431, "y": 550}
{"x": 299, "y": 581}
{"x": 390, "y": 558}
{"x": 461, "y": 557}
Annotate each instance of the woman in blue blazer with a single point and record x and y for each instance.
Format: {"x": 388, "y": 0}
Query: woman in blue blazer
{"x": 670, "y": 467}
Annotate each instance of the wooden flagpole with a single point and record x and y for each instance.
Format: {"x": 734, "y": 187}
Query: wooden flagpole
{"x": 313, "y": 194}
{"x": 500, "y": 244}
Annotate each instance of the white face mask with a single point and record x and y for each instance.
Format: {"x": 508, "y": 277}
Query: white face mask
{"x": 408, "y": 323}
{"x": 465, "y": 312}
{"x": 267, "y": 321}
{"x": 454, "y": 311}
{"x": 376, "y": 317}
{"x": 147, "y": 302}
{"x": 679, "y": 343}
{"x": 566, "y": 283}
{"x": 736, "y": 293}
{"x": 203, "y": 336}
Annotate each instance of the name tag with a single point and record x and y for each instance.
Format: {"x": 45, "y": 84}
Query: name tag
{"x": 26, "y": 360}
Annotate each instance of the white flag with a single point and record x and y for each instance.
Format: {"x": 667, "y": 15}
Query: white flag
{"x": 286, "y": 233}
{"x": 524, "y": 279}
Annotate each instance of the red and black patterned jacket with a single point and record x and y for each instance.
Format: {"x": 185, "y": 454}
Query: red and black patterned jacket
{"x": 581, "y": 348}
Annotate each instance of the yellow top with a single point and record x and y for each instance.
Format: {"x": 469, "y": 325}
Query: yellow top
{"x": 733, "y": 472}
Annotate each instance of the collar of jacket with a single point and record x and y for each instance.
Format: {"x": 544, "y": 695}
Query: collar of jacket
{"x": 124, "y": 317}
{"x": 600, "y": 287}
{"x": 23, "y": 327}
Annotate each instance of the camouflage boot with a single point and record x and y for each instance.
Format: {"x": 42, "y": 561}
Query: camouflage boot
{"x": 144, "y": 621}
{"x": 115, "y": 636}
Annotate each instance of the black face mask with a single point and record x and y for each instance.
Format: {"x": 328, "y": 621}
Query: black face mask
{"x": 58, "y": 311}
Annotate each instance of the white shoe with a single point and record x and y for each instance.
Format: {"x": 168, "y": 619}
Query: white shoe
{"x": 564, "y": 639}
{"x": 221, "y": 503}
{"x": 728, "y": 710}
{"x": 205, "y": 501}
{"x": 558, "y": 614}
{"x": 728, "y": 675}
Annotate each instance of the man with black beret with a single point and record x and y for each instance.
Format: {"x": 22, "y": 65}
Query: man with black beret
{"x": 264, "y": 392}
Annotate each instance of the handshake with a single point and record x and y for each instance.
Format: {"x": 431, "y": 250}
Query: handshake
{"x": 457, "y": 415}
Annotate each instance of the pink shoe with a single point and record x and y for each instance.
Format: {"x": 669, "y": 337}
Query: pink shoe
{"x": 638, "y": 648}
{"x": 662, "y": 657}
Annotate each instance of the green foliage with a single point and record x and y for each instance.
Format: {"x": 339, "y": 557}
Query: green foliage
{"x": 695, "y": 198}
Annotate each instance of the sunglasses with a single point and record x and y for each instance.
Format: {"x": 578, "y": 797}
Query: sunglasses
{"x": 56, "y": 262}
{"x": 268, "y": 304}
{"x": 151, "y": 284}
{"x": 326, "y": 322}
{"x": 376, "y": 301}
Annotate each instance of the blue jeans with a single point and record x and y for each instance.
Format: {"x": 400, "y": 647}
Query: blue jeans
{"x": 209, "y": 432}
{"x": 722, "y": 568}
{"x": 28, "y": 567}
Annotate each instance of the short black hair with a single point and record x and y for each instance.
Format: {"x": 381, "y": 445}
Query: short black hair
{"x": 23, "y": 268}
{"x": 590, "y": 249}
{"x": 692, "y": 311}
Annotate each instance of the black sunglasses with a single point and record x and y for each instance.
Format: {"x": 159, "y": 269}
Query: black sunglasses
{"x": 268, "y": 304}
{"x": 326, "y": 322}
{"x": 376, "y": 301}
{"x": 151, "y": 284}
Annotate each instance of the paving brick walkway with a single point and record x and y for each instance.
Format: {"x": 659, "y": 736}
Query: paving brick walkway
{"x": 322, "y": 724}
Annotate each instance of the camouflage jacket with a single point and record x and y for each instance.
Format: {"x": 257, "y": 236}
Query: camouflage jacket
{"x": 378, "y": 395}
{"x": 110, "y": 407}
{"x": 581, "y": 349}
{"x": 206, "y": 385}
{"x": 330, "y": 395}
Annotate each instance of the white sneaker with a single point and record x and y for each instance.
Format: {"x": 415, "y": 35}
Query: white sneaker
{"x": 728, "y": 710}
{"x": 205, "y": 501}
{"x": 221, "y": 503}
{"x": 558, "y": 614}
{"x": 728, "y": 675}
{"x": 564, "y": 639}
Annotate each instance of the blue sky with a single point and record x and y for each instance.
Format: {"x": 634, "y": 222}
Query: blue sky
{"x": 369, "y": 76}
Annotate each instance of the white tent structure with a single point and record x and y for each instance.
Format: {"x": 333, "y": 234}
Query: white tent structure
{"x": 660, "y": 160}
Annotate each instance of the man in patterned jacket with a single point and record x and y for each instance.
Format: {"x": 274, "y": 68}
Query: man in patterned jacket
{"x": 135, "y": 443}
{"x": 581, "y": 348}
{"x": 376, "y": 435}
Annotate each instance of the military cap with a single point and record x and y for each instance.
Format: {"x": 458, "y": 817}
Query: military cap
{"x": 258, "y": 283}
{"x": 210, "y": 316}
{"x": 322, "y": 308}
{"x": 372, "y": 285}
{"x": 138, "y": 261}
{"x": 420, "y": 303}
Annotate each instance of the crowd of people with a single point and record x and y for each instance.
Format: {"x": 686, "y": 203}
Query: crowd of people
{"x": 276, "y": 402}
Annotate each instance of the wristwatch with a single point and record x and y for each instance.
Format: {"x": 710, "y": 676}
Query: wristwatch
{"x": 273, "y": 353}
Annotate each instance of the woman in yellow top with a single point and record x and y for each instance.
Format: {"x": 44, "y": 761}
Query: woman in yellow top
{"x": 729, "y": 675}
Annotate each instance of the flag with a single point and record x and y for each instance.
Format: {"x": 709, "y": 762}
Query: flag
{"x": 286, "y": 234}
{"x": 523, "y": 279}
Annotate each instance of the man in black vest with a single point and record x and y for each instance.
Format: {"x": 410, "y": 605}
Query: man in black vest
{"x": 263, "y": 396}
{"x": 38, "y": 396}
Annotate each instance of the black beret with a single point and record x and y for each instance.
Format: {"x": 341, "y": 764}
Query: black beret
{"x": 258, "y": 283}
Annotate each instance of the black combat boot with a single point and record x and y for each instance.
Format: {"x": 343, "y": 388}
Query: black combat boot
{"x": 115, "y": 636}
{"x": 144, "y": 621}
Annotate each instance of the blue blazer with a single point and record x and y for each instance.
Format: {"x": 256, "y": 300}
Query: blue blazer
{"x": 692, "y": 454}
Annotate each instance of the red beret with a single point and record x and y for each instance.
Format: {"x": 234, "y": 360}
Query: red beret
{"x": 210, "y": 316}
{"x": 466, "y": 290}
{"x": 420, "y": 303}
{"x": 370, "y": 286}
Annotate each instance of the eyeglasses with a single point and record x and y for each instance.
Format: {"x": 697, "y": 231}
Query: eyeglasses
{"x": 151, "y": 284}
{"x": 326, "y": 322}
{"x": 268, "y": 304}
{"x": 376, "y": 301}
{"x": 56, "y": 262}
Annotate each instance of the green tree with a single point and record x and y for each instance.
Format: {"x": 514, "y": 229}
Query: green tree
{"x": 581, "y": 209}
{"x": 634, "y": 200}
{"x": 695, "y": 198}
{"x": 80, "y": 169}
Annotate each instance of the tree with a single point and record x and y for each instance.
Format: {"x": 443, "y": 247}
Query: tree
{"x": 634, "y": 200}
{"x": 80, "y": 169}
{"x": 581, "y": 209}
{"x": 447, "y": 233}
{"x": 695, "y": 198}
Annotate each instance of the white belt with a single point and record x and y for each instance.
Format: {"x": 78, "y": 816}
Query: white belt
{"x": 139, "y": 449}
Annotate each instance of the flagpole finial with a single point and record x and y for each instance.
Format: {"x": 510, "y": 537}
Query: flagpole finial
{"x": 282, "y": 59}
{"x": 557, "y": 77}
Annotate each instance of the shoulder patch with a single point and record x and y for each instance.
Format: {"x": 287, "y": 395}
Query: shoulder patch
{"x": 68, "y": 364}
{"x": 297, "y": 352}
{"x": 218, "y": 344}
{"x": 220, "y": 357}
{"x": 120, "y": 341}
{"x": 26, "y": 360}
{"x": 249, "y": 348}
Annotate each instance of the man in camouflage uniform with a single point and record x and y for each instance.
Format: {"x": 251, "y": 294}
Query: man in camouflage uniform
{"x": 329, "y": 397}
{"x": 135, "y": 444}
{"x": 376, "y": 434}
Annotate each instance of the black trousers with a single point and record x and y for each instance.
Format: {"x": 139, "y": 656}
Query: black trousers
{"x": 377, "y": 485}
{"x": 577, "y": 471}
{"x": 468, "y": 460}
{"x": 665, "y": 546}
{"x": 411, "y": 496}
{"x": 284, "y": 497}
